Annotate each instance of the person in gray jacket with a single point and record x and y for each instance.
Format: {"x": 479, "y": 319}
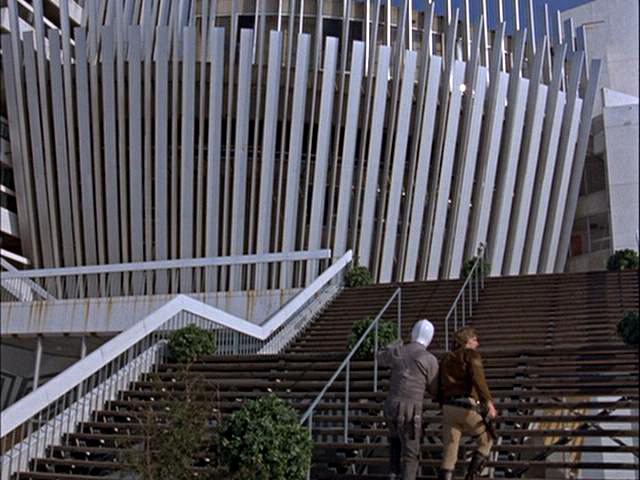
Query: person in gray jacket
{"x": 413, "y": 370}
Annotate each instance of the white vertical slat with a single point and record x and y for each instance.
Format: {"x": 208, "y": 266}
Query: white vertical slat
{"x": 444, "y": 184}
{"x": 121, "y": 123}
{"x": 449, "y": 55}
{"x": 22, "y": 200}
{"x": 96, "y": 137}
{"x": 84, "y": 136}
{"x": 187, "y": 187}
{"x": 265, "y": 203}
{"x": 506, "y": 183}
{"x": 161, "y": 151}
{"x": 136, "y": 220}
{"x": 348, "y": 150}
{"x": 148, "y": 31}
{"x": 200, "y": 206}
{"x": 578, "y": 164}
{"x": 323, "y": 145}
{"x": 412, "y": 157}
{"x": 42, "y": 201}
{"x": 212, "y": 227}
{"x": 110, "y": 143}
{"x": 43, "y": 95}
{"x": 564, "y": 164}
{"x": 470, "y": 107}
{"x": 422, "y": 170}
{"x": 525, "y": 176}
{"x": 546, "y": 166}
{"x": 459, "y": 231}
{"x": 397, "y": 171}
{"x": 240, "y": 153}
{"x": 31, "y": 244}
{"x": 295, "y": 154}
{"x": 60, "y": 137}
{"x": 373, "y": 157}
{"x": 509, "y": 155}
{"x": 71, "y": 132}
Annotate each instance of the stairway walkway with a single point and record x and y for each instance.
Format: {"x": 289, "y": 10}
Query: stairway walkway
{"x": 553, "y": 361}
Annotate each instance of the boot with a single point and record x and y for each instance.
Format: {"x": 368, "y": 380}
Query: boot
{"x": 445, "y": 474}
{"x": 478, "y": 461}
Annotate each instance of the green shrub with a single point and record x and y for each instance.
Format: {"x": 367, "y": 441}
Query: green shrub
{"x": 265, "y": 435}
{"x": 623, "y": 260}
{"x": 358, "y": 276}
{"x": 191, "y": 342}
{"x": 387, "y": 333}
{"x": 628, "y": 328}
{"x": 468, "y": 265}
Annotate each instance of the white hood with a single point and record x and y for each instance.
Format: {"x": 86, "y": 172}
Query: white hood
{"x": 422, "y": 332}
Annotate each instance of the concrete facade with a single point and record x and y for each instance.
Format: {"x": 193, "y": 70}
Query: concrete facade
{"x": 182, "y": 132}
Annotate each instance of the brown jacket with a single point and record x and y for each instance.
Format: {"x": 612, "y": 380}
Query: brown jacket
{"x": 413, "y": 370}
{"x": 462, "y": 375}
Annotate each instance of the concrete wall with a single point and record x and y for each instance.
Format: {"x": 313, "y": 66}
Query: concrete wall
{"x": 611, "y": 28}
{"x": 113, "y": 315}
{"x": 623, "y": 148}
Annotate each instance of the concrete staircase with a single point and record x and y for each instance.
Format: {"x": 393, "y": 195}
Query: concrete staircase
{"x": 565, "y": 386}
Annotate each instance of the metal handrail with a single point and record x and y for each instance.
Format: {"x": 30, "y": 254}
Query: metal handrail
{"x": 187, "y": 275}
{"x": 308, "y": 414}
{"x": 475, "y": 282}
{"x": 134, "y": 351}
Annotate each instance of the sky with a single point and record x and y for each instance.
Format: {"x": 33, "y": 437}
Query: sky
{"x": 538, "y": 6}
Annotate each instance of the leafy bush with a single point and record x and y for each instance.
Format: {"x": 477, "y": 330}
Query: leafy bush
{"x": 265, "y": 435}
{"x": 628, "y": 328}
{"x": 358, "y": 276}
{"x": 468, "y": 265}
{"x": 387, "y": 333}
{"x": 169, "y": 438}
{"x": 623, "y": 260}
{"x": 191, "y": 342}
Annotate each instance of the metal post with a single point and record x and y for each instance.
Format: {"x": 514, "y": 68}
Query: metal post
{"x": 346, "y": 405}
{"x": 36, "y": 369}
{"x": 311, "y": 436}
{"x": 399, "y": 291}
{"x": 446, "y": 334}
{"x": 375, "y": 358}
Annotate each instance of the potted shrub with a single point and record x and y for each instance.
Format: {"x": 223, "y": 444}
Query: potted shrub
{"x": 629, "y": 328}
{"x": 358, "y": 276}
{"x": 265, "y": 436}
{"x": 189, "y": 343}
{"x": 387, "y": 333}
{"x": 468, "y": 265}
{"x": 626, "y": 259}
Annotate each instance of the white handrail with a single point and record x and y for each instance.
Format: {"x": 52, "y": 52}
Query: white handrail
{"x": 167, "y": 264}
{"x": 28, "y": 406}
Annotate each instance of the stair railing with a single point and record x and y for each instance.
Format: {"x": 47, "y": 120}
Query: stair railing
{"x": 469, "y": 294}
{"x": 345, "y": 365}
{"x": 37, "y": 420}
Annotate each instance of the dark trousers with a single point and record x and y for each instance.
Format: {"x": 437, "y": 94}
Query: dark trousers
{"x": 404, "y": 446}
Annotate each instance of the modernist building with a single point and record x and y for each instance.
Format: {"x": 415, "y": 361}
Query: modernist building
{"x": 607, "y": 213}
{"x": 162, "y": 130}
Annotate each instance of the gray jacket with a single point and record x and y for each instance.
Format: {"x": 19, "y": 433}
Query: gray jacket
{"x": 413, "y": 370}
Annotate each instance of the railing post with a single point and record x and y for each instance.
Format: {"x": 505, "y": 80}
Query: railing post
{"x": 346, "y": 404}
{"x": 36, "y": 368}
{"x": 375, "y": 359}
{"x": 310, "y": 435}
{"x": 399, "y": 313}
{"x": 446, "y": 334}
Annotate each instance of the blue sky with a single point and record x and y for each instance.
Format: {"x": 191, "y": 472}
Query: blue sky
{"x": 538, "y": 6}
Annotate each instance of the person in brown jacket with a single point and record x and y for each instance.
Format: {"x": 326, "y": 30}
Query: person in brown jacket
{"x": 413, "y": 370}
{"x": 463, "y": 390}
